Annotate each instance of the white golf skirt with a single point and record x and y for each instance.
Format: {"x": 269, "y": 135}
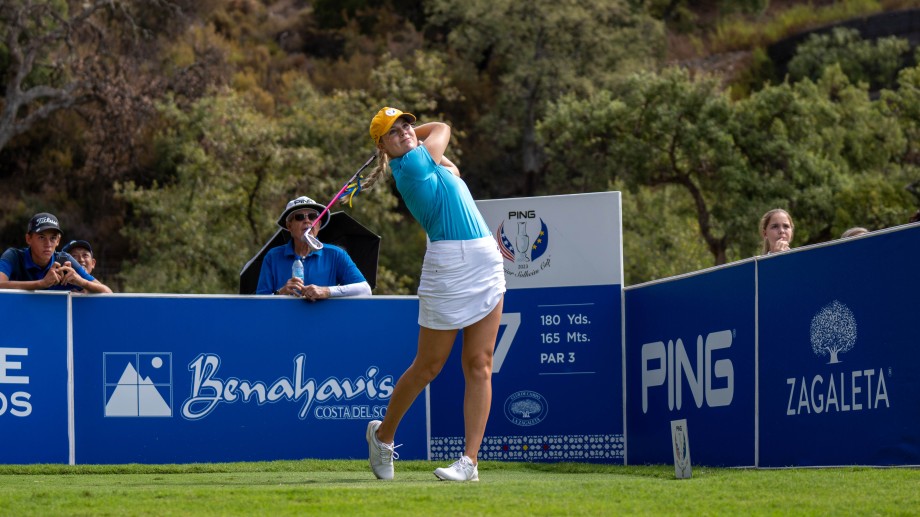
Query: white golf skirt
{"x": 462, "y": 282}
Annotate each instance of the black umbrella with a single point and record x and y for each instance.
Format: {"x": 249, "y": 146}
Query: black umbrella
{"x": 362, "y": 245}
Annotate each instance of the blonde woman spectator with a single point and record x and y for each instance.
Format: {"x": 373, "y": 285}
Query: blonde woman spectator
{"x": 776, "y": 229}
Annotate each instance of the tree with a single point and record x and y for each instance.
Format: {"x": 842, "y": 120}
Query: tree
{"x": 228, "y": 169}
{"x": 38, "y": 34}
{"x": 661, "y": 237}
{"x": 195, "y": 230}
{"x": 77, "y": 108}
{"x": 656, "y": 130}
{"x": 533, "y": 52}
{"x": 805, "y": 147}
{"x": 903, "y": 105}
{"x": 46, "y": 68}
{"x": 875, "y": 63}
{"x": 814, "y": 145}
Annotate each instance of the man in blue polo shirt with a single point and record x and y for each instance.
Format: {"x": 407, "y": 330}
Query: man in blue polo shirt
{"x": 328, "y": 272}
{"x": 39, "y": 267}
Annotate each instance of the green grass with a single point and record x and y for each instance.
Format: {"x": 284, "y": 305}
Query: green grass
{"x": 347, "y": 488}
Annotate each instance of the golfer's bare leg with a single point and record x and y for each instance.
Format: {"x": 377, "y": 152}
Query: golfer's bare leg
{"x": 433, "y": 350}
{"x": 478, "y": 347}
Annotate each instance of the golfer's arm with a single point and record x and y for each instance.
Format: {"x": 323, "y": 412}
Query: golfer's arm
{"x": 436, "y": 136}
{"x": 449, "y": 165}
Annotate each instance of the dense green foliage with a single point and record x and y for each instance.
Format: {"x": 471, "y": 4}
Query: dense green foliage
{"x": 183, "y": 127}
{"x": 531, "y": 53}
{"x": 875, "y": 63}
{"x": 816, "y": 149}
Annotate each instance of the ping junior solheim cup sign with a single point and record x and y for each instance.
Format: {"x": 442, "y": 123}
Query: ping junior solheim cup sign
{"x": 681, "y": 441}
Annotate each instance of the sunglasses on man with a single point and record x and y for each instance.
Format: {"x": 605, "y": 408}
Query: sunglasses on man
{"x": 300, "y": 216}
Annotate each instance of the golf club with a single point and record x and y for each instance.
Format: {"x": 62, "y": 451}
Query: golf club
{"x": 312, "y": 241}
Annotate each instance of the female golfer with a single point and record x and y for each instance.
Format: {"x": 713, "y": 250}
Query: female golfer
{"x": 462, "y": 285}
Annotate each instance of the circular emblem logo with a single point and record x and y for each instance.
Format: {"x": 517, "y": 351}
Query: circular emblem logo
{"x": 390, "y": 112}
{"x": 525, "y": 408}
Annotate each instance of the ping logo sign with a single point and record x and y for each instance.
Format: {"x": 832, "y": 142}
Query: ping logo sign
{"x": 711, "y": 379}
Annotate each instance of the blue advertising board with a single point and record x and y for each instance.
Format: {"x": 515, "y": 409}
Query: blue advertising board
{"x": 33, "y": 378}
{"x": 212, "y": 379}
{"x": 557, "y": 368}
{"x": 690, "y": 354}
{"x": 838, "y": 375}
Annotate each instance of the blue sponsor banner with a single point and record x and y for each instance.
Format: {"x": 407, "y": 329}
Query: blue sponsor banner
{"x": 690, "y": 355}
{"x": 212, "y": 379}
{"x": 33, "y": 378}
{"x": 556, "y": 383}
{"x": 838, "y": 372}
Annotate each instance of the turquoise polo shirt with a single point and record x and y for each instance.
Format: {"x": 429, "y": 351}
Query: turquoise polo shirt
{"x": 439, "y": 201}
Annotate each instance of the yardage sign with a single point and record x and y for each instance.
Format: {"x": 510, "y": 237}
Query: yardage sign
{"x": 557, "y": 371}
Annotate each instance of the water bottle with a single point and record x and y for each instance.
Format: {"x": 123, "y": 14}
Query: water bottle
{"x": 297, "y": 270}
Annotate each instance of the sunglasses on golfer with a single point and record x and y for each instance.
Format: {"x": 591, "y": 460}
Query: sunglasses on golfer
{"x": 310, "y": 216}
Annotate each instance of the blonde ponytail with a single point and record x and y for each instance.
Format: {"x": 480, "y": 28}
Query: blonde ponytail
{"x": 379, "y": 170}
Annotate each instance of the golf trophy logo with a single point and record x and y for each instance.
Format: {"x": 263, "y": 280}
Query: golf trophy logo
{"x": 681, "y": 440}
{"x": 523, "y": 240}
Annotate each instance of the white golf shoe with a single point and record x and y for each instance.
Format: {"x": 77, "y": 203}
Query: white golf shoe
{"x": 460, "y": 470}
{"x": 380, "y": 455}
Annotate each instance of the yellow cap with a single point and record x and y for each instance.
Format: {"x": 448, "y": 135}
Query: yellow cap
{"x": 384, "y": 120}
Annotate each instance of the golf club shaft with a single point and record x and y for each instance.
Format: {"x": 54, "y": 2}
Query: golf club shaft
{"x": 345, "y": 186}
